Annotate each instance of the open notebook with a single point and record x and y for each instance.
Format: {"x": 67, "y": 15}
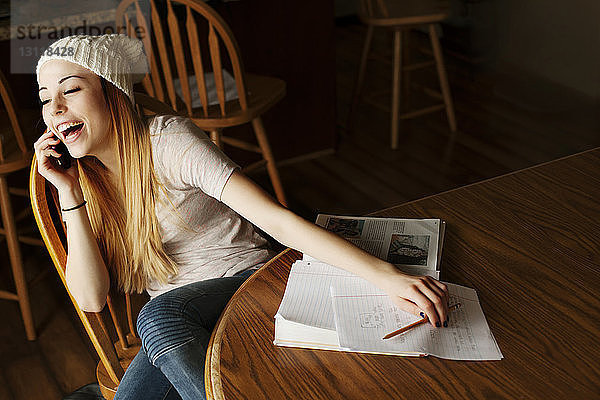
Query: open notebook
{"x": 324, "y": 307}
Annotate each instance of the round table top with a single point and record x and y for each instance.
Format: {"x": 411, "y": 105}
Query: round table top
{"x": 529, "y": 244}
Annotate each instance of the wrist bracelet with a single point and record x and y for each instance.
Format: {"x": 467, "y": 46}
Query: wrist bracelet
{"x": 74, "y": 208}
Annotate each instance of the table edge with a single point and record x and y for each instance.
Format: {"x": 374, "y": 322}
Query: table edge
{"x": 535, "y": 166}
{"x": 212, "y": 372}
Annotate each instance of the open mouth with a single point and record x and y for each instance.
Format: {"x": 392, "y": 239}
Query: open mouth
{"x": 71, "y": 131}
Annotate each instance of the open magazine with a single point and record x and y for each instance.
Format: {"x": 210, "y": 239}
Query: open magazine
{"x": 413, "y": 245}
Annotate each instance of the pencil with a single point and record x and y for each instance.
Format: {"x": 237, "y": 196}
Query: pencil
{"x": 417, "y": 323}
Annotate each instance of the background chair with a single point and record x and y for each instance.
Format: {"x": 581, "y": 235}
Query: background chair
{"x": 211, "y": 96}
{"x": 111, "y": 331}
{"x": 400, "y": 16}
{"x": 15, "y": 155}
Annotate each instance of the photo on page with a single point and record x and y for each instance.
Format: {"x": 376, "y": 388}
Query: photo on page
{"x": 348, "y": 228}
{"x": 408, "y": 249}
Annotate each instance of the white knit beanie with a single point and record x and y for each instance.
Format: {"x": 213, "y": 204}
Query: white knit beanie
{"x": 117, "y": 58}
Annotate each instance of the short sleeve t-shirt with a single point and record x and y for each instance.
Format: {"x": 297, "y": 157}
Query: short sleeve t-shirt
{"x": 204, "y": 237}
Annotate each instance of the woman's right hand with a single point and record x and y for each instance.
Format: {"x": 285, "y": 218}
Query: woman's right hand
{"x": 62, "y": 179}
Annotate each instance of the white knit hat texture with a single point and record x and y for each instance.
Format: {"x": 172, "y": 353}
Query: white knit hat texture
{"x": 117, "y": 58}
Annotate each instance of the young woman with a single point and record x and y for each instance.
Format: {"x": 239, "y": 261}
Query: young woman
{"x": 158, "y": 207}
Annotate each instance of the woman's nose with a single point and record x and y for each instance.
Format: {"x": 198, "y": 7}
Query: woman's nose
{"x": 58, "y": 106}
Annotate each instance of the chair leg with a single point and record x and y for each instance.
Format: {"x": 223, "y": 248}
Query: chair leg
{"x": 360, "y": 78}
{"x": 441, "y": 70}
{"x": 395, "y": 110}
{"x": 263, "y": 143}
{"x": 16, "y": 260}
{"x": 215, "y": 136}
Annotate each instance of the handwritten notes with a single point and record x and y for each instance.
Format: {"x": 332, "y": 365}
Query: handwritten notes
{"x": 363, "y": 315}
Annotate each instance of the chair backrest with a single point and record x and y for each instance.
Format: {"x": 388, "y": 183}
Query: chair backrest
{"x": 180, "y": 52}
{"x": 9, "y": 105}
{"x": 374, "y": 8}
{"x": 147, "y": 105}
{"x": 111, "y": 331}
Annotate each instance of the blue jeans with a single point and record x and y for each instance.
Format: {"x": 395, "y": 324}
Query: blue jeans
{"x": 175, "y": 329}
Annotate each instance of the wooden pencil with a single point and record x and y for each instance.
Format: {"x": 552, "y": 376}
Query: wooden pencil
{"x": 416, "y": 323}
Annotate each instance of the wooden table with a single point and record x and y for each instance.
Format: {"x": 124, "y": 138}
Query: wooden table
{"x": 529, "y": 242}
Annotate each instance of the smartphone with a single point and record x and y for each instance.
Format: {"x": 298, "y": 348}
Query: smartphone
{"x": 64, "y": 161}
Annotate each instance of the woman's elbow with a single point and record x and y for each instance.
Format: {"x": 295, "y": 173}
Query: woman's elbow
{"x": 89, "y": 302}
{"x": 87, "y": 299}
{"x": 91, "y": 306}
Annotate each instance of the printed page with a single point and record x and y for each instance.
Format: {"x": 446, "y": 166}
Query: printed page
{"x": 412, "y": 244}
{"x": 367, "y": 233}
{"x": 364, "y": 315}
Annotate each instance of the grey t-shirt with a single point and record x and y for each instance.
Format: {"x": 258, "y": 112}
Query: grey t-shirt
{"x": 206, "y": 238}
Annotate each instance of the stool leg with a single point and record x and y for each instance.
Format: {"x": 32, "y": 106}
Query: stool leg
{"x": 395, "y": 110}
{"x": 215, "y": 136}
{"x": 263, "y": 143}
{"x": 360, "y": 78}
{"x": 16, "y": 261}
{"x": 441, "y": 70}
{"x": 406, "y": 59}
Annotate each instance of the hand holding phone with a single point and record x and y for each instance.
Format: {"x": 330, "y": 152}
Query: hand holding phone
{"x": 55, "y": 163}
{"x": 64, "y": 161}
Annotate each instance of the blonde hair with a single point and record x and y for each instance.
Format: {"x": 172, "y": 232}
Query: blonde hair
{"x": 123, "y": 218}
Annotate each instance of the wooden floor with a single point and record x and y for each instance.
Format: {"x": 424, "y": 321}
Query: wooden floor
{"x": 506, "y": 122}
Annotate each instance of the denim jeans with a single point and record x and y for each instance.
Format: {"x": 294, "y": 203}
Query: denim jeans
{"x": 175, "y": 329}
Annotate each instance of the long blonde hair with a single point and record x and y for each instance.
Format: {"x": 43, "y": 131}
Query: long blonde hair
{"x": 123, "y": 218}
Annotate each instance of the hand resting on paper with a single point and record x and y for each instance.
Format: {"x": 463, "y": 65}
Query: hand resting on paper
{"x": 417, "y": 294}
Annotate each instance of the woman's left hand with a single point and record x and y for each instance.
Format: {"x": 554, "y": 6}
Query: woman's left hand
{"x": 417, "y": 294}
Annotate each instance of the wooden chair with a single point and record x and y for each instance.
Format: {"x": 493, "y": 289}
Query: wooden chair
{"x": 400, "y": 16}
{"x": 208, "y": 48}
{"x": 148, "y": 106}
{"x": 15, "y": 155}
{"x": 115, "y": 355}
{"x": 111, "y": 331}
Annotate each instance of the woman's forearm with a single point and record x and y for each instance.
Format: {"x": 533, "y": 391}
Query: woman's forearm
{"x": 294, "y": 231}
{"x": 246, "y": 198}
{"x": 86, "y": 274}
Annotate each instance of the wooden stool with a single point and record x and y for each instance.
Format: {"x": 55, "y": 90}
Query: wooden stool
{"x": 400, "y": 16}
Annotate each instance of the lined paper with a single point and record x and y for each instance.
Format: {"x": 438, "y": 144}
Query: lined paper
{"x": 306, "y": 299}
{"x": 364, "y": 315}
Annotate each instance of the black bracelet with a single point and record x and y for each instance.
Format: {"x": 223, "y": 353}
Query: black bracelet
{"x": 74, "y": 208}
